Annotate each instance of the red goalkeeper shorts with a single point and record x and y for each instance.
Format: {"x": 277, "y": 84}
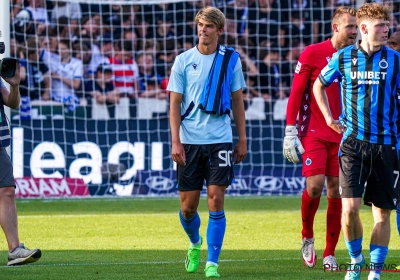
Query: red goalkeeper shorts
{"x": 320, "y": 157}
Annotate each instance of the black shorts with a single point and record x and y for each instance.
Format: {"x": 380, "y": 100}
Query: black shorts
{"x": 373, "y": 164}
{"x": 212, "y": 162}
{"x": 6, "y": 170}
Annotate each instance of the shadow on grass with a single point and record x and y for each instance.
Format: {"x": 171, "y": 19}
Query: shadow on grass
{"x": 163, "y": 264}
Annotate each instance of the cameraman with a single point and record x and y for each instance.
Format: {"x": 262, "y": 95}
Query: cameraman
{"x": 17, "y": 253}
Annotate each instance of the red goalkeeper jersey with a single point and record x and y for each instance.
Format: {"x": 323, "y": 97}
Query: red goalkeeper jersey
{"x": 302, "y": 102}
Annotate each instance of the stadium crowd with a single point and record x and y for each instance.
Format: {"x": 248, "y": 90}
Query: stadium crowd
{"x": 66, "y": 48}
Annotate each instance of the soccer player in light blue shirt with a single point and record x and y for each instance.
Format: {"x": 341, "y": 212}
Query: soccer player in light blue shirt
{"x": 202, "y": 142}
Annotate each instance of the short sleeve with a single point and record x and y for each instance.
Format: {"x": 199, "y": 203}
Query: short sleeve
{"x": 176, "y": 81}
{"x": 331, "y": 71}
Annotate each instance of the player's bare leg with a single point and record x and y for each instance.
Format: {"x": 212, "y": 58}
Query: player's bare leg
{"x": 8, "y": 216}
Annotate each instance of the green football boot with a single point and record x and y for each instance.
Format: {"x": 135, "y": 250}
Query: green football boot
{"x": 193, "y": 257}
{"x": 211, "y": 270}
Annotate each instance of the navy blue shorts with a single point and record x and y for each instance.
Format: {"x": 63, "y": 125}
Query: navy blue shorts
{"x": 371, "y": 166}
{"x": 212, "y": 163}
{"x": 6, "y": 170}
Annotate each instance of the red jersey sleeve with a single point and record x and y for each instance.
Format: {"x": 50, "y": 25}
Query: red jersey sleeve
{"x": 301, "y": 78}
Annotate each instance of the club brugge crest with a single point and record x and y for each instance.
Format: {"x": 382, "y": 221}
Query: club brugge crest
{"x": 308, "y": 161}
{"x": 383, "y": 64}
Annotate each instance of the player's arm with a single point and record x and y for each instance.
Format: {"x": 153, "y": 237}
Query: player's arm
{"x": 301, "y": 77}
{"x": 12, "y": 98}
{"x": 325, "y": 78}
{"x": 177, "y": 151}
{"x": 240, "y": 151}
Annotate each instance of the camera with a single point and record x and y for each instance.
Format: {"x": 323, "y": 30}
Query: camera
{"x": 8, "y": 65}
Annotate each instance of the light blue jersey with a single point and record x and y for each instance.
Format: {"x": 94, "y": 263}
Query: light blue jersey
{"x": 188, "y": 77}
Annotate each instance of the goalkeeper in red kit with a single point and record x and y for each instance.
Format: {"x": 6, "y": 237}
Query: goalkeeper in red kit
{"x": 316, "y": 141}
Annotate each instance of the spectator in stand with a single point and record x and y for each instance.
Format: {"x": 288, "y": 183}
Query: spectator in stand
{"x": 63, "y": 30}
{"x": 268, "y": 82}
{"x": 130, "y": 36}
{"x": 142, "y": 28}
{"x": 264, "y": 21}
{"x": 51, "y": 59}
{"x": 67, "y": 78}
{"x": 125, "y": 69}
{"x": 39, "y": 15}
{"x": 81, "y": 51}
{"x": 15, "y": 7}
{"x": 24, "y": 26}
{"x": 116, "y": 19}
{"x": 149, "y": 81}
{"x": 90, "y": 27}
{"x": 165, "y": 29}
{"x": 288, "y": 65}
{"x": 186, "y": 28}
{"x": 166, "y": 56}
{"x": 13, "y": 47}
{"x": 101, "y": 53}
{"x": 66, "y": 9}
{"x": 35, "y": 75}
{"x": 102, "y": 89}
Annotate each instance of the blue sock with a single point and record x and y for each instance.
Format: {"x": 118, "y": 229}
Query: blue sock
{"x": 215, "y": 235}
{"x": 378, "y": 255}
{"x": 398, "y": 217}
{"x": 191, "y": 226}
{"x": 354, "y": 247}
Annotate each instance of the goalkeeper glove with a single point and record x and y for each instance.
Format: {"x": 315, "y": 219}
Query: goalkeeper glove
{"x": 290, "y": 143}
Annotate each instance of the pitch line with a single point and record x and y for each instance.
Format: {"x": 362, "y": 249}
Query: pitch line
{"x": 141, "y": 263}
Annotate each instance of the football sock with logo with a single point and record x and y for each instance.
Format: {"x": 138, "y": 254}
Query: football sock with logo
{"x": 215, "y": 235}
{"x": 309, "y": 207}
{"x": 355, "y": 248}
{"x": 333, "y": 226}
{"x": 398, "y": 218}
{"x": 191, "y": 227}
{"x": 378, "y": 255}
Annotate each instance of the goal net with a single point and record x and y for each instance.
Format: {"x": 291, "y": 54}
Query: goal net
{"x": 94, "y": 108}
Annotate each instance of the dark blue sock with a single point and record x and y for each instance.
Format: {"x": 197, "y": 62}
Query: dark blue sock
{"x": 398, "y": 218}
{"x": 215, "y": 235}
{"x": 354, "y": 247}
{"x": 191, "y": 226}
{"x": 378, "y": 255}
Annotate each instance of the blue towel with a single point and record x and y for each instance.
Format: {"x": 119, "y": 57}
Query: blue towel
{"x": 216, "y": 95}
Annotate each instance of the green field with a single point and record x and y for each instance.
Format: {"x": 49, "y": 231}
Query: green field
{"x": 143, "y": 239}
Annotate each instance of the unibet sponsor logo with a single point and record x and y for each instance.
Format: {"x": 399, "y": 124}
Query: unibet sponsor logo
{"x": 368, "y": 75}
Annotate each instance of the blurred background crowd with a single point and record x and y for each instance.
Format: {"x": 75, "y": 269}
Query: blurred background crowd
{"x": 72, "y": 51}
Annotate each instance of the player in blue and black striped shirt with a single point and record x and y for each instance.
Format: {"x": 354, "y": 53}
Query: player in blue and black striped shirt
{"x": 370, "y": 84}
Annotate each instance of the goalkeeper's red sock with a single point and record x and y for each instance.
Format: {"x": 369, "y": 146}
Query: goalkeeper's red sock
{"x": 333, "y": 225}
{"x": 309, "y": 207}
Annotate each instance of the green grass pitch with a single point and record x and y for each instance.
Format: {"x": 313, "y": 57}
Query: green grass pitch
{"x": 133, "y": 238}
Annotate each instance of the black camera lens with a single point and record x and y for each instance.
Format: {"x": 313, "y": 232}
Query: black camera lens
{"x": 7, "y": 67}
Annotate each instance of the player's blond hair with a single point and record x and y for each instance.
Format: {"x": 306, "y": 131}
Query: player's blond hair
{"x": 372, "y": 11}
{"x": 342, "y": 10}
{"x": 213, "y": 15}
